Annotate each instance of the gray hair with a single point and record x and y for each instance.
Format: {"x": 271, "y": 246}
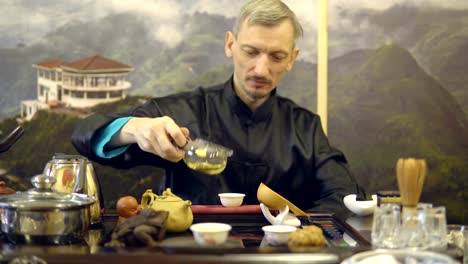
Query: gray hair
{"x": 267, "y": 13}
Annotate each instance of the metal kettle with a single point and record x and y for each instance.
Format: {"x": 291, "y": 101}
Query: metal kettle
{"x": 75, "y": 174}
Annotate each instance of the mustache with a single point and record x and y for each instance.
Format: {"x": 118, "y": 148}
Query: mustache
{"x": 258, "y": 79}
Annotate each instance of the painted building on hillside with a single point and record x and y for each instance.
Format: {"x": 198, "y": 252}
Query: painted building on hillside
{"x": 79, "y": 84}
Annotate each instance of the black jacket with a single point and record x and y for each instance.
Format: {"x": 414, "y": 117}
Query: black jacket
{"x": 280, "y": 144}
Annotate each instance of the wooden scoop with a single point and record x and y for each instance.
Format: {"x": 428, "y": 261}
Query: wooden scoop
{"x": 411, "y": 174}
{"x": 273, "y": 200}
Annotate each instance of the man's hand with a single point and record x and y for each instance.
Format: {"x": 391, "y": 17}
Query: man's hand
{"x": 160, "y": 136}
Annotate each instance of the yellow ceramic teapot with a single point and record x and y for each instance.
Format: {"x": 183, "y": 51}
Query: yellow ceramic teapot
{"x": 180, "y": 212}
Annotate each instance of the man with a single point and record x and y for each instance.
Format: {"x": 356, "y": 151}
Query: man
{"x": 274, "y": 140}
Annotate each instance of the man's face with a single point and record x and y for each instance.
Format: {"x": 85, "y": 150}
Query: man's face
{"x": 261, "y": 56}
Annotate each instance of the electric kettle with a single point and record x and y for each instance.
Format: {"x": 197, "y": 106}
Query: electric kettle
{"x": 75, "y": 174}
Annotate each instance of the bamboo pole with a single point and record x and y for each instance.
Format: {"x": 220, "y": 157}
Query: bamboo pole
{"x": 322, "y": 63}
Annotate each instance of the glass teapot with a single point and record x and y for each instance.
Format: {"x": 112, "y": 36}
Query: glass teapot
{"x": 205, "y": 156}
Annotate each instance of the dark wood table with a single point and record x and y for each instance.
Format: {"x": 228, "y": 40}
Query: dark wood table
{"x": 245, "y": 244}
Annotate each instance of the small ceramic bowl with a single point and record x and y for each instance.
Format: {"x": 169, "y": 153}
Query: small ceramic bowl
{"x": 210, "y": 234}
{"x": 231, "y": 199}
{"x": 277, "y": 235}
{"x": 360, "y": 208}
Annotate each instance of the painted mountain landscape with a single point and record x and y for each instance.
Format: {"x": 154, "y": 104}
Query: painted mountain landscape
{"x": 397, "y": 85}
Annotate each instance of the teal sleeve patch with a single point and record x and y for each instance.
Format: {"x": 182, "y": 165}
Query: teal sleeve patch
{"x": 104, "y": 136}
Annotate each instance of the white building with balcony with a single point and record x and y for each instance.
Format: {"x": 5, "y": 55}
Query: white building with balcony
{"x": 80, "y": 84}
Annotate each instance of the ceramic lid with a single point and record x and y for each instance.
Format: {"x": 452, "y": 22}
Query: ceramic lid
{"x": 42, "y": 197}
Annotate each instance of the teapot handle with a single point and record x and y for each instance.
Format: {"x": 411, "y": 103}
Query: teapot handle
{"x": 80, "y": 176}
{"x": 148, "y": 198}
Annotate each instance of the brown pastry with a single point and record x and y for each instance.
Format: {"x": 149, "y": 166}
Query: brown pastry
{"x": 313, "y": 229}
{"x": 308, "y": 236}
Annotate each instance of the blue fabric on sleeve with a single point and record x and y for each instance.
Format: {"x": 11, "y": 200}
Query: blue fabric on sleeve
{"x": 104, "y": 136}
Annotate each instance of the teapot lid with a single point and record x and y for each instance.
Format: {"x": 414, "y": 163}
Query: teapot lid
{"x": 61, "y": 157}
{"x": 162, "y": 198}
{"x": 42, "y": 197}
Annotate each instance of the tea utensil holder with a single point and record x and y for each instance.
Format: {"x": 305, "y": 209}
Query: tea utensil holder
{"x": 284, "y": 217}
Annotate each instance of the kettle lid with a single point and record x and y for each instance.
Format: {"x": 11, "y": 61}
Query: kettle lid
{"x": 42, "y": 197}
{"x": 62, "y": 156}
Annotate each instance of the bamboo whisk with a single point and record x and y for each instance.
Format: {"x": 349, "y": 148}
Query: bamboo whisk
{"x": 410, "y": 175}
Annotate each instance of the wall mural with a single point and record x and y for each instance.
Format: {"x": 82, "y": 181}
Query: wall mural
{"x": 397, "y": 81}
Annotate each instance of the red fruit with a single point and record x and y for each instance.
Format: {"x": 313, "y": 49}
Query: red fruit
{"x": 127, "y": 206}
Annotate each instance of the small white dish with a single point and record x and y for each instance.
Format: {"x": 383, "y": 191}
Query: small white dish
{"x": 210, "y": 234}
{"x": 277, "y": 235}
{"x": 231, "y": 199}
{"x": 360, "y": 208}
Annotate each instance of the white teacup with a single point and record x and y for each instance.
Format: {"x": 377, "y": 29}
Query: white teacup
{"x": 231, "y": 199}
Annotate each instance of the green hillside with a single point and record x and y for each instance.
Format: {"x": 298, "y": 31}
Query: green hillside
{"x": 437, "y": 38}
{"x": 383, "y": 106}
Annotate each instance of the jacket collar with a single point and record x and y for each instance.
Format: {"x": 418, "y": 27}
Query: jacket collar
{"x": 263, "y": 112}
